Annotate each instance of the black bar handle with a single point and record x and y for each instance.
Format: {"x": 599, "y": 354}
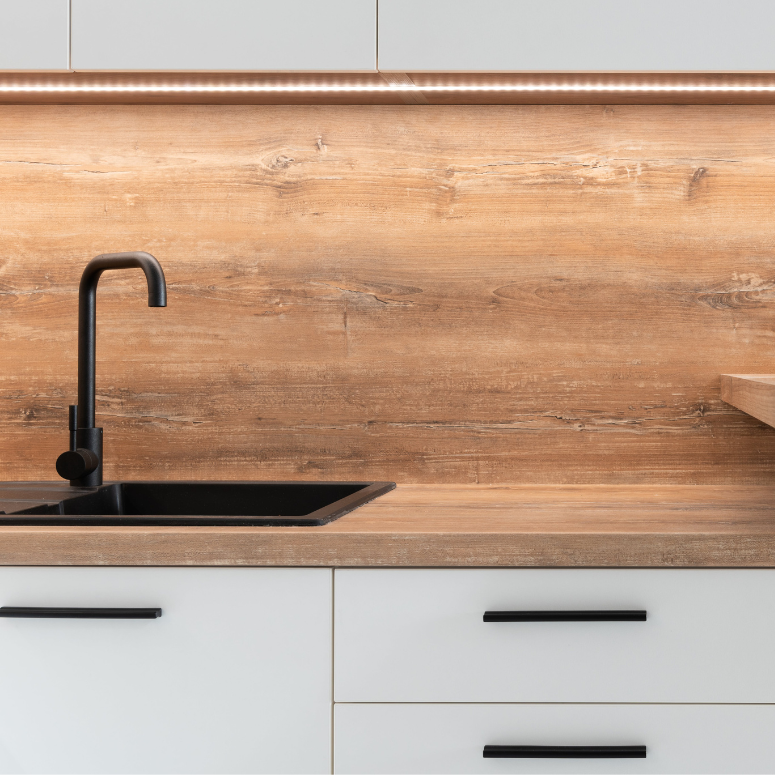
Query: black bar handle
{"x": 564, "y": 752}
{"x": 29, "y": 612}
{"x": 564, "y": 616}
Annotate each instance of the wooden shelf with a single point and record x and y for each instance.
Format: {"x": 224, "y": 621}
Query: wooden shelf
{"x": 754, "y": 394}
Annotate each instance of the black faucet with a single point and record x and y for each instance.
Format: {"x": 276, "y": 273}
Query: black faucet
{"x": 82, "y": 464}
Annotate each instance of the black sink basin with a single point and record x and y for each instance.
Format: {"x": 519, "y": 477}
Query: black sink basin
{"x": 197, "y": 503}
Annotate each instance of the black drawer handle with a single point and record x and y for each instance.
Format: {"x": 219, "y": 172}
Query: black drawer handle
{"x": 28, "y": 612}
{"x": 564, "y": 752}
{"x": 564, "y": 616}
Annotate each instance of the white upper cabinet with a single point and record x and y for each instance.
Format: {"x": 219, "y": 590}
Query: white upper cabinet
{"x": 580, "y": 35}
{"x": 279, "y": 35}
{"x": 34, "y": 34}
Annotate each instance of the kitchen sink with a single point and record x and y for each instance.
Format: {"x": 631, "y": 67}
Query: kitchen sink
{"x": 89, "y": 501}
{"x": 195, "y": 503}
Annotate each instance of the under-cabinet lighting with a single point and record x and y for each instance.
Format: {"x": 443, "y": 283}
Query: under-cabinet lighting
{"x": 209, "y": 88}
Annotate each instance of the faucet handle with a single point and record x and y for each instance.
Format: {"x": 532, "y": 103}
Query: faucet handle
{"x": 77, "y": 463}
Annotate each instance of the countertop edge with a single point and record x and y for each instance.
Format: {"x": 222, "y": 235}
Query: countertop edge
{"x": 385, "y": 550}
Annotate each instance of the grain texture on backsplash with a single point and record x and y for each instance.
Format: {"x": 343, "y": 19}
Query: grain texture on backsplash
{"x": 525, "y": 294}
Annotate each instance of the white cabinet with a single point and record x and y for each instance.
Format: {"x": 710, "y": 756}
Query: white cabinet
{"x": 580, "y": 35}
{"x": 451, "y": 738}
{"x": 235, "y": 676}
{"x": 34, "y": 34}
{"x": 418, "y": 636}
{"x": 392, "y": 35}
{"x": 280, "y": 35}
{"x": 236, "y": 673}
{"x": 423, "y": 684}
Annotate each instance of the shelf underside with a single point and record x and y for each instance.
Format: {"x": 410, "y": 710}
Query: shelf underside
{"x": 386, "y": 88}
{"x": 753, "y": 394}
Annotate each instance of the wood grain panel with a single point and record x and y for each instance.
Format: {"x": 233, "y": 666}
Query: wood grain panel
{"x": 530, "y": 294}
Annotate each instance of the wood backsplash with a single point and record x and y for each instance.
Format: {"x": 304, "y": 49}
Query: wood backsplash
{"x": 423, "y": 294}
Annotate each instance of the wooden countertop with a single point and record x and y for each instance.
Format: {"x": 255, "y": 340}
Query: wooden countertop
{"x": 455, "y": 525}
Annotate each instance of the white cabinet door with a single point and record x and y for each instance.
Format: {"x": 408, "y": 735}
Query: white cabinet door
{"x": 224, "y": 35}
{"x": 235, "y": 676}
{"x": 568, "y": 35}
{"x": 34, "y": 34}
{"x": 451, "y": 738}
{"x": 407, "y": 635}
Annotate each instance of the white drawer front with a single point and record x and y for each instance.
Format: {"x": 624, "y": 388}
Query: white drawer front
{"x": 418, "y": 636}
{"x": 234, "y": 676}
{"x": 450, "y": 738}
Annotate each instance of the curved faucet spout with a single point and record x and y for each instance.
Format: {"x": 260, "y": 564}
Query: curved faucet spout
{"x": 154, "y": 274}
{"x": 87, "y": 325}
{"x": 82, "y": 463}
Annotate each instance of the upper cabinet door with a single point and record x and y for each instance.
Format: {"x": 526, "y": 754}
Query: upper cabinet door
{"x": 34, "y": 34}
{"x": 580, "y": 35}
{"x": 279, "y": 35}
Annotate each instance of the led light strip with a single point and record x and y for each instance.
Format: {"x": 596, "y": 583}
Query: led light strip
{"x": 389, "y": 88}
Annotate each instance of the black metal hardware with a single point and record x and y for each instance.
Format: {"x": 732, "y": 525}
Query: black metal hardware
{"x": 77, "y": 463}
{"x": 82, "y": 469}
{"x": 564, "y": 616}
{"x": 31, "y": 612}
{"x": 564, "y": 752}
{"x": 73, "y": 424}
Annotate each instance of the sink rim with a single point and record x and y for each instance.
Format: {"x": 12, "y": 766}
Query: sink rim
{"x": 54, "y": 517}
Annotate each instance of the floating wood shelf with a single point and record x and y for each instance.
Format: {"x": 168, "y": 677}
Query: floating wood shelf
{"x": 752, "y": 393}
